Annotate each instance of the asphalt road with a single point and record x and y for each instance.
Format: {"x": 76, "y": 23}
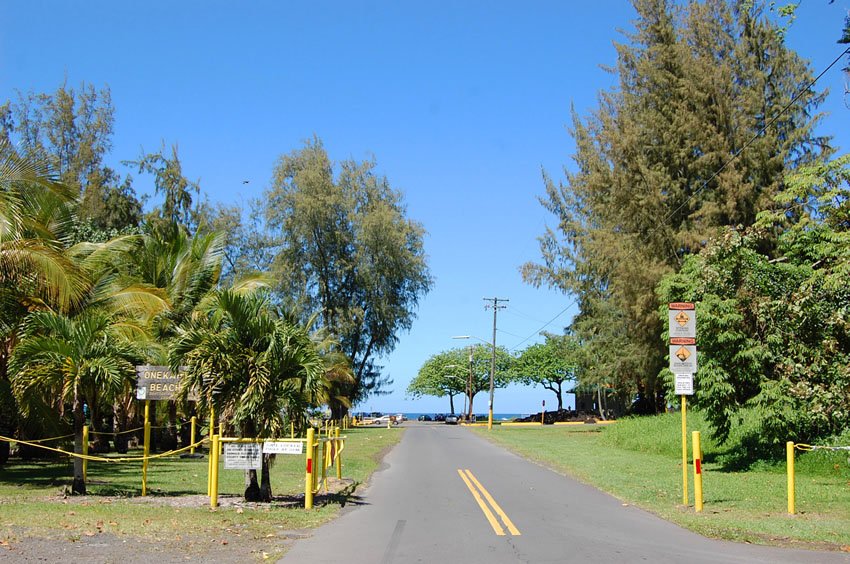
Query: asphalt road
{"x": 439, "y": 496}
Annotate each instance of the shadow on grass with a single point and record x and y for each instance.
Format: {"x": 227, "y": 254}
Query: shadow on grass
{"x": 750, "y": 450}
{"x": 107, "y": 479}
{"x": 343, "y": 497}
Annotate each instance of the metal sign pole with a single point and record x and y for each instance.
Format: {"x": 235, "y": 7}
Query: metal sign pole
{"x": 684, "y": 451}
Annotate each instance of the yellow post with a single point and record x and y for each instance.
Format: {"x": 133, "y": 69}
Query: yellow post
{"x": 210, "y": 461}
{"x": 789, "y": 459}
{"x": 291, "y": 429}
{"x": 308, "y": 478}
{"x": 325, "y": 454}
{"x": 338, "y": 457}
{"x": 697, "y": 472}
{"x": 684, "y": 451}
{"x": 147, "y": 447}
{"x": 214, "y": 477}
{"x": 85, "y": 451}
{"x": 192, "y": 434}
{"x": 490, "y": 417}
{"x": 316, "y": 462}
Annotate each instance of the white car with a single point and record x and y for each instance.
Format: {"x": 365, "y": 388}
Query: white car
{"x": 386, "y": 420}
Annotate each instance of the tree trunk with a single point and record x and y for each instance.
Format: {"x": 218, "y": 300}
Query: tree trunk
{"x": 119, "y": 425}
{"x": 252, "y": 487}
{"x": 8, "y": 405}
{"x": 560, "y": 395}
{"x": 8, "y": 418}
{"x": 169, "y": 437}
{"x": 469, "y": 415}
{"x": 265, "y": 479}
{"x": 452, "y": 403}
{"x": 79, "y": 484}
{"x": 599, "y": 401}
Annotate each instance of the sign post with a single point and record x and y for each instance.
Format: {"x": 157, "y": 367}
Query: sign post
{"x": 683, "y": 363}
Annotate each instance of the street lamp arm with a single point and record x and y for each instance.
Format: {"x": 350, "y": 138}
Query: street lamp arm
{"x": 488, "y": 343}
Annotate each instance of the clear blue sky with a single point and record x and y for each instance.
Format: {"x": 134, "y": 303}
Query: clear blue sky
{"x": 462, "y": 103}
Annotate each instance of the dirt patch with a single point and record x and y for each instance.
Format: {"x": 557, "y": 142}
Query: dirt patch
{"x": 228, "y": 544}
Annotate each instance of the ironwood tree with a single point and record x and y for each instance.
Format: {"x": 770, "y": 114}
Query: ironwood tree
{"x": 698, "y": 134}
{"x": 344, "y": 247}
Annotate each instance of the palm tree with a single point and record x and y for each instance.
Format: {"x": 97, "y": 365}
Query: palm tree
{"x": 84, "y": 356}
{"x": 85, "y": 352}
{"x": 185, "y": 270}
{"x": 35, "y": 273}
{"x": 254, "y": 364}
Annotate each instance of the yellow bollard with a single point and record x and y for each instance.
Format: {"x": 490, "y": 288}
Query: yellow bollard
{"x": 210, "y": 461}
{"x": 789, "y": 460}
{"x": 291, "y": 430}
{"x": 338, "y": 457}
{"x": 684, "y": 451}
{"x": 147, "y": 448}
{"x": 325, "y": 454}
{"x": 192, "y": 434}
{"x": 697, "y": 472}
{"x": 316, "y": 462}
{"x": 308, "y": 477}
{"x": 214, "y": 479}
{"x": 85, "y": 451}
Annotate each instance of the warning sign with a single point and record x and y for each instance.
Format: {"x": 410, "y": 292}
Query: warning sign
{"x": 682, "y": 318}
{"x": 242, "y": 456}
{"x": 683, "y": 359}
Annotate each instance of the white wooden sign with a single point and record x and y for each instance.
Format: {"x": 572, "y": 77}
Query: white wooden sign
{"x": 283, "y": 447}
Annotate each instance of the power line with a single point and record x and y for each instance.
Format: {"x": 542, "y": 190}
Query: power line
{"x": 734, "y": 157}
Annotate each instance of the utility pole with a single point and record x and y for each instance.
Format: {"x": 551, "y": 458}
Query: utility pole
{"x": 469, "y": 387}
{"x": 496, "y": 307}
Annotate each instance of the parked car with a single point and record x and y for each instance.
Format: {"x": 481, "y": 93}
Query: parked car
{"x": 439, "y": 417}
{"x": 386, "y": 419}
{"x": 424, "y": 417}
{"x": 451, "y": 419}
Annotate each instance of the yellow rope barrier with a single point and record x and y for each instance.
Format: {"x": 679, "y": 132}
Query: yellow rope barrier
{"x": 804, "y": 447}
{"x": 46, "y": 440}
{"x": 109, "y": 459}
{"x": 115, "y": 433}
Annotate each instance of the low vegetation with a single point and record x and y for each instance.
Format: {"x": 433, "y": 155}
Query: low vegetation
{"x": 638, "y": 460}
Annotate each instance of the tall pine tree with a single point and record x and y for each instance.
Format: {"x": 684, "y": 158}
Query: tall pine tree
{"x": 662, "y": 163}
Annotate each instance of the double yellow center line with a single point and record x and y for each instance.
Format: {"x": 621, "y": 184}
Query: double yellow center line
{"x": 478, "y": 491}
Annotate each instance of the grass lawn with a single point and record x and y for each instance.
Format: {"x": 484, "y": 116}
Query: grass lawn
{"x": 33, "y": 502}
{"x": 639, "y": 462}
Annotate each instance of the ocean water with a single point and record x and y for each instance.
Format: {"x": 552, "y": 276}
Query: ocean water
{"x": 479, "y": 416}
